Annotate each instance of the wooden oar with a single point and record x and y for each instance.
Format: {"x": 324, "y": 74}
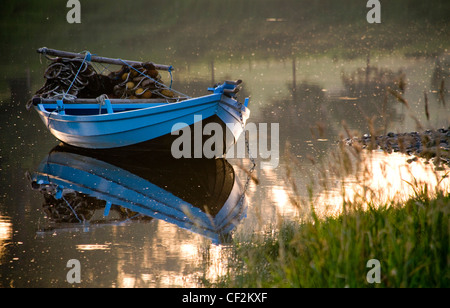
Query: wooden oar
{"x": 66, "y": 54}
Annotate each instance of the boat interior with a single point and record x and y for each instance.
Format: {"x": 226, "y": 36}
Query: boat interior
{"x": 95, "y": 109}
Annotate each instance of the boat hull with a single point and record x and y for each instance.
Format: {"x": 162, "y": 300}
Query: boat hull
{"x": 135, "y": 124}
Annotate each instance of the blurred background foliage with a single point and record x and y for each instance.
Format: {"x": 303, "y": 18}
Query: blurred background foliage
{"x": 192, "y": 29}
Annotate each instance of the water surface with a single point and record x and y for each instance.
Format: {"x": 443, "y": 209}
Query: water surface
{"x": 315, "y": 97}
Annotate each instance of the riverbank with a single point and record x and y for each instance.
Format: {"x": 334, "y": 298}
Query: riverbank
{"x": 410, "y": 241}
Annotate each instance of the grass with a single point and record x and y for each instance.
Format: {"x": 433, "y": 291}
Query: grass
{"x": 410, "y": 240}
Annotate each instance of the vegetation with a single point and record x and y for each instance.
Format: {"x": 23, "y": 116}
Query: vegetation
{"x": 190, "y": 29}
{"x": 410, "y": 240}
{"x": 181, "y": 32}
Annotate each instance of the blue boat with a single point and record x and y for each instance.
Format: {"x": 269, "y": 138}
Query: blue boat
{"x": 104, "y": 123}
{"x": 120, "y": 123}
{"x": 201, "y": 195}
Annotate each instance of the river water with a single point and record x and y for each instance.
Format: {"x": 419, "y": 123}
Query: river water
{"x": 308, "y": 102}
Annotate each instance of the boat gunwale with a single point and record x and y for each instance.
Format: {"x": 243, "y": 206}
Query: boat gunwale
{"x": 138, "y": 112}
{"x": 129, "y": 129}
{"x": 207, "y": 99}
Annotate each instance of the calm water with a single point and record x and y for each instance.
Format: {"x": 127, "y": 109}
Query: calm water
{"x": 309, "y": 97}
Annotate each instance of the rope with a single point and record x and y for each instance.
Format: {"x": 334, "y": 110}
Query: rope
{"x": 105, "y": 68}
{"x": 71, "y": 208}
{"x": 87, "y": 58}
{"x": 171, "y": 78}
{"x": 63, "y": 96}
{"x": 101, "y": 101}
{"x": 157, "y": 82}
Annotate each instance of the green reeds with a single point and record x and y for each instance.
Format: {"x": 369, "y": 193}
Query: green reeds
{"x": 411, "y": 242}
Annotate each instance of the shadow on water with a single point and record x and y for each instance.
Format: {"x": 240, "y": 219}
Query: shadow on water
{"x": 83, "y": 190}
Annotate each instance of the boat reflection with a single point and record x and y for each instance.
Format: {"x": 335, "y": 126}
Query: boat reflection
{"x": 83, "y": 190}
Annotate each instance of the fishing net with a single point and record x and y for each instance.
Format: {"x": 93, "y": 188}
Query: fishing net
{"x": 76, "y": 78}
{"x": 62, "y": 80}
{"x": 139, "y": 81}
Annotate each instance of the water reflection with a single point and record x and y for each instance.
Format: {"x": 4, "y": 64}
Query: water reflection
{"x": 123, "y": 249}
{"x": 5, "y": 234}
{"x": 86, "y": 190}
{"x": 382, "y": 178}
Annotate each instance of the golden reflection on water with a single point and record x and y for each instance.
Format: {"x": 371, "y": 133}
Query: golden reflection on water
{"x": 384, "y": 178}
{"x": 381, "y": 179}
{"x": 171, "y": 258}
{"x": 5, "y": 233}
{"x": 87, "y": 247}
{"x": 280, "y": 198}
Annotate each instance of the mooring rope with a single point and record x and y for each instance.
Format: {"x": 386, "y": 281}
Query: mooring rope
{"x": 101, "y": 102}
